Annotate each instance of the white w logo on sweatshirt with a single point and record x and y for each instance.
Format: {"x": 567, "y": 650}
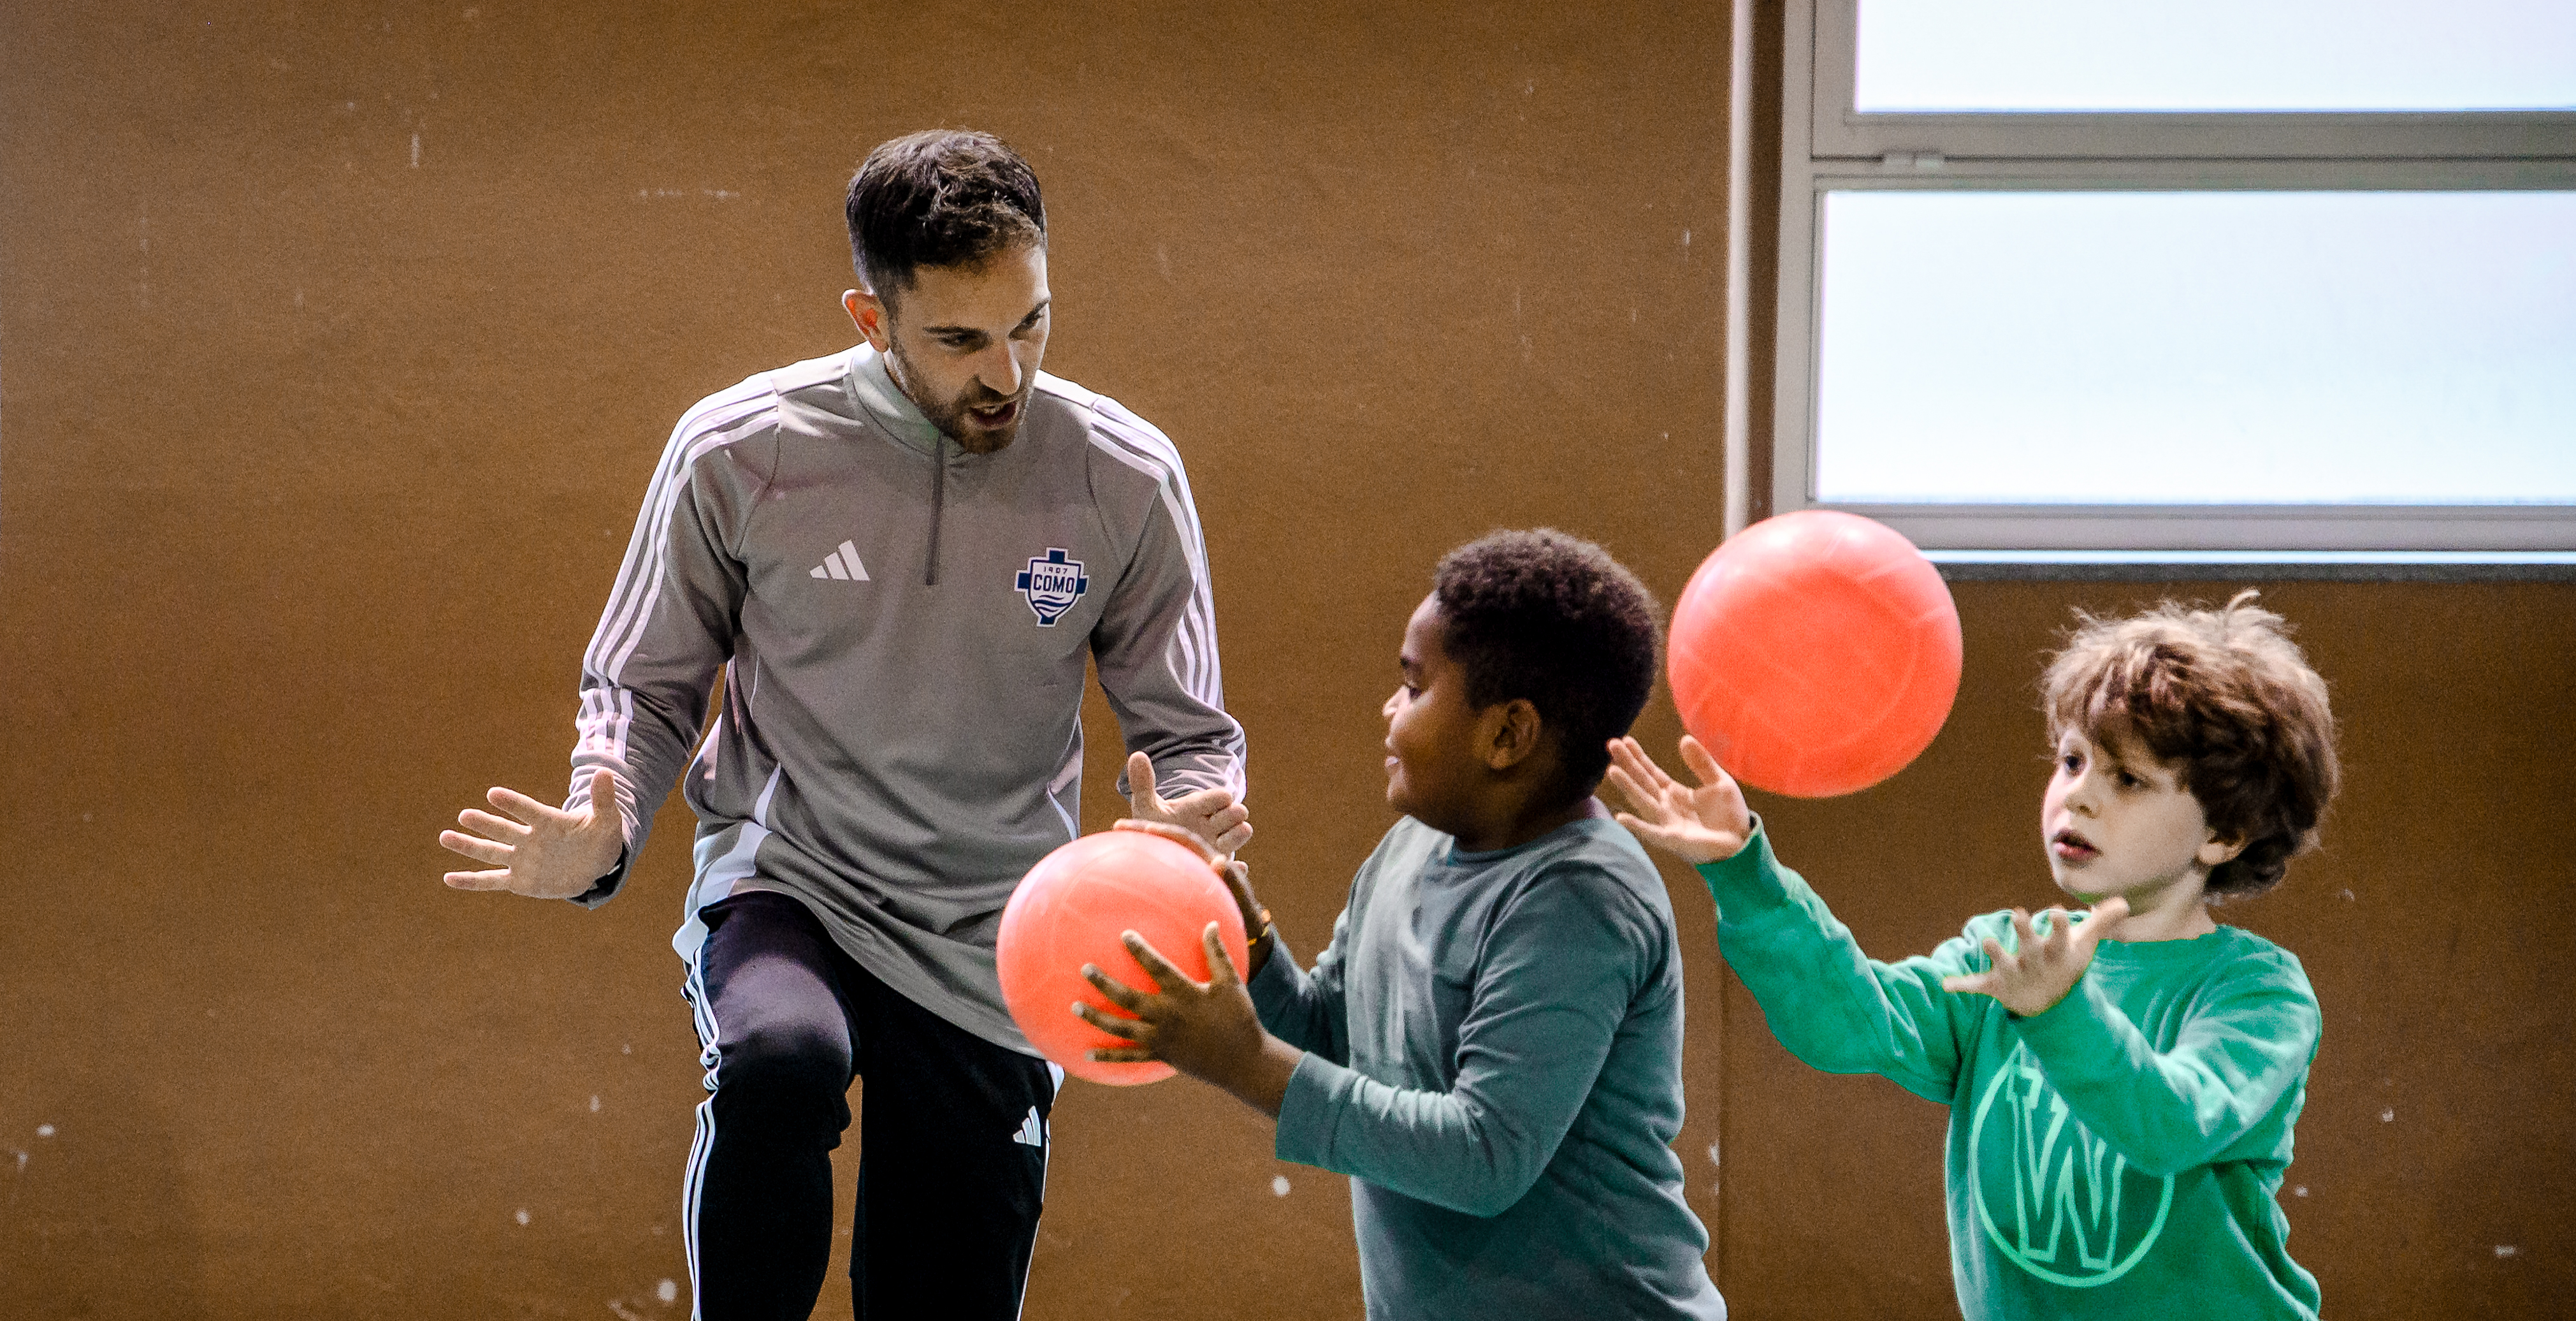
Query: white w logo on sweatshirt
{"x": 2054, "y": 1199}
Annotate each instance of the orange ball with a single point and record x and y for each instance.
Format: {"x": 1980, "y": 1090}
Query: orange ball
{"x": 1815, "y": 653}
{"x": 1070, "y": 909}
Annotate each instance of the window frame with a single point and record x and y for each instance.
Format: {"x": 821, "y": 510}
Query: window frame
{"x": 1826, "y": 146}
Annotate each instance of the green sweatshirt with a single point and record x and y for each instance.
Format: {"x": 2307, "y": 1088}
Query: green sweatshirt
{"x": 1493, "y": 1053}
{"x": 2115, "y": 1156}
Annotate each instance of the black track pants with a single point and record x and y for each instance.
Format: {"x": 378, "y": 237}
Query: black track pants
{"x": 952, "y": 1134}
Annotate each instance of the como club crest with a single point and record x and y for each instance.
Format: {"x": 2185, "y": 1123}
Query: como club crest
{"x": 1052, "y": 583}
{"x": 2052, "y": 1198}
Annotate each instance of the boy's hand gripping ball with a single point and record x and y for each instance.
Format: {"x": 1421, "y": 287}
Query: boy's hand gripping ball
{"x": 1815, "y": 653}
{"x": 1069, "y": 911}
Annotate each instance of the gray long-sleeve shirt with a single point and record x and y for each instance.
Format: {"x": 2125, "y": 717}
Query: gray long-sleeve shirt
{"x": 901, "y": 627}
{"x": 1493, "y": 1054}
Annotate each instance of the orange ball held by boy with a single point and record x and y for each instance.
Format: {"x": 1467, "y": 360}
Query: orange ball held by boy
{"x": 1490, "y": 1045}
{"x": 2122, "y": 1081}
{"x": 1070, "y": 914}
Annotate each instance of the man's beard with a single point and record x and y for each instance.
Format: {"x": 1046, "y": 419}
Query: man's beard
{"x": 950, "y": 415}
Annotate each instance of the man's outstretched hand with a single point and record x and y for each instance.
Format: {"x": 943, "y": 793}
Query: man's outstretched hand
{"x": 1211, "y": 814}
{"x": 540, "y": 851}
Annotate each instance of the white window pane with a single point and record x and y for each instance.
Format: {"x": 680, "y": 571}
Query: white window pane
{"x": 2197, "y": 348}
{"x": 1959, "y": 56}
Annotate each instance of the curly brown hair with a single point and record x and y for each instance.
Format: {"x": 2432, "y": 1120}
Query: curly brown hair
{"x": 2226, "y": 695}
{"x": 1551, "y": 618}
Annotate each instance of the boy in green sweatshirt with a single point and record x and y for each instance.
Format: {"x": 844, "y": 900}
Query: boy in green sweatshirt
{"x": 2122, "y": 1083}
{"x": 1491, "y": 1045}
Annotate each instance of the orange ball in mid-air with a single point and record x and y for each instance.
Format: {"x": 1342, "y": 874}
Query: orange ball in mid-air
{"x": 1070, "y": 910}
{"x": 1815, "y": 653}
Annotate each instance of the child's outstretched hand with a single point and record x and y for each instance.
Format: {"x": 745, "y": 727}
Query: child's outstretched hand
{"x": 1703, "y": 824}
{"x": 2049, "y": 964}
{"x": 1207, "y": 1029}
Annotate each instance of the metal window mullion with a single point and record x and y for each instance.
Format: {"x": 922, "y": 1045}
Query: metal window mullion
{"x": 2203, "y": 174}
{"x": 2249, "y": 135}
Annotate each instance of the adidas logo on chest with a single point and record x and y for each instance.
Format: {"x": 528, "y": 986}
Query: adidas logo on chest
{"x": 843, "y": 564}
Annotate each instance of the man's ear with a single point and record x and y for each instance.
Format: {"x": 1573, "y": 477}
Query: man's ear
{"x": 868, "y": 312}
{"x": 1509, "y": 733}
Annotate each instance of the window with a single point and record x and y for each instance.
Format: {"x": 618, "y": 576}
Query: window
{"x": 2258, "y": 278}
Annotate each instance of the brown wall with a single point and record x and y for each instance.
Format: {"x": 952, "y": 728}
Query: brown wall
{"x": 317, "y": 455}
{"x": 315, "y": 465}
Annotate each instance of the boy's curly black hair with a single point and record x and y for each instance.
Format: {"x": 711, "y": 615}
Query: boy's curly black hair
{"x": 1553, "y": 619}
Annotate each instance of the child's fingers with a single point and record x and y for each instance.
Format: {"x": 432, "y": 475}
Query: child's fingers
{"x": 1701, "y": 761}
{"x": 1627, "y": 787}
{"x": 1654, "y": 833}
{"x": 1238, "y": 882}
{"x": 1998, "y": 958}
{"x": 1116, "y": 992}
{"x": 2107, "y": 914}
{"x": 1619, "y": 774}
{"x": 1125, "y": 1029}
{"x": 1220, "y": 964}
{"x": 1629, "y": 753}
{"x": 2098, "y": 922}
{"x": 1972, "y": 983}
{"x": 1166, "y": 976}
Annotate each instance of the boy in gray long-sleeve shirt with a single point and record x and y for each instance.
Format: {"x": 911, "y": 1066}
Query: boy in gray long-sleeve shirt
{"x": 1491, "y": 1045}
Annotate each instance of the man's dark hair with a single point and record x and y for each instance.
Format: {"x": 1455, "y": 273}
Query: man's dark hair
{"x": 944, "y": 197}
{"x": 1553, "y": 619}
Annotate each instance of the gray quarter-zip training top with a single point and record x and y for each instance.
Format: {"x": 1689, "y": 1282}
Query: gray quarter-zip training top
{"x": 901, "y": 627}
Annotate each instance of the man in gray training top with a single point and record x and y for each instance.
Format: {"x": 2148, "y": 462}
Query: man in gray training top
{"x": 898, "y": 558}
